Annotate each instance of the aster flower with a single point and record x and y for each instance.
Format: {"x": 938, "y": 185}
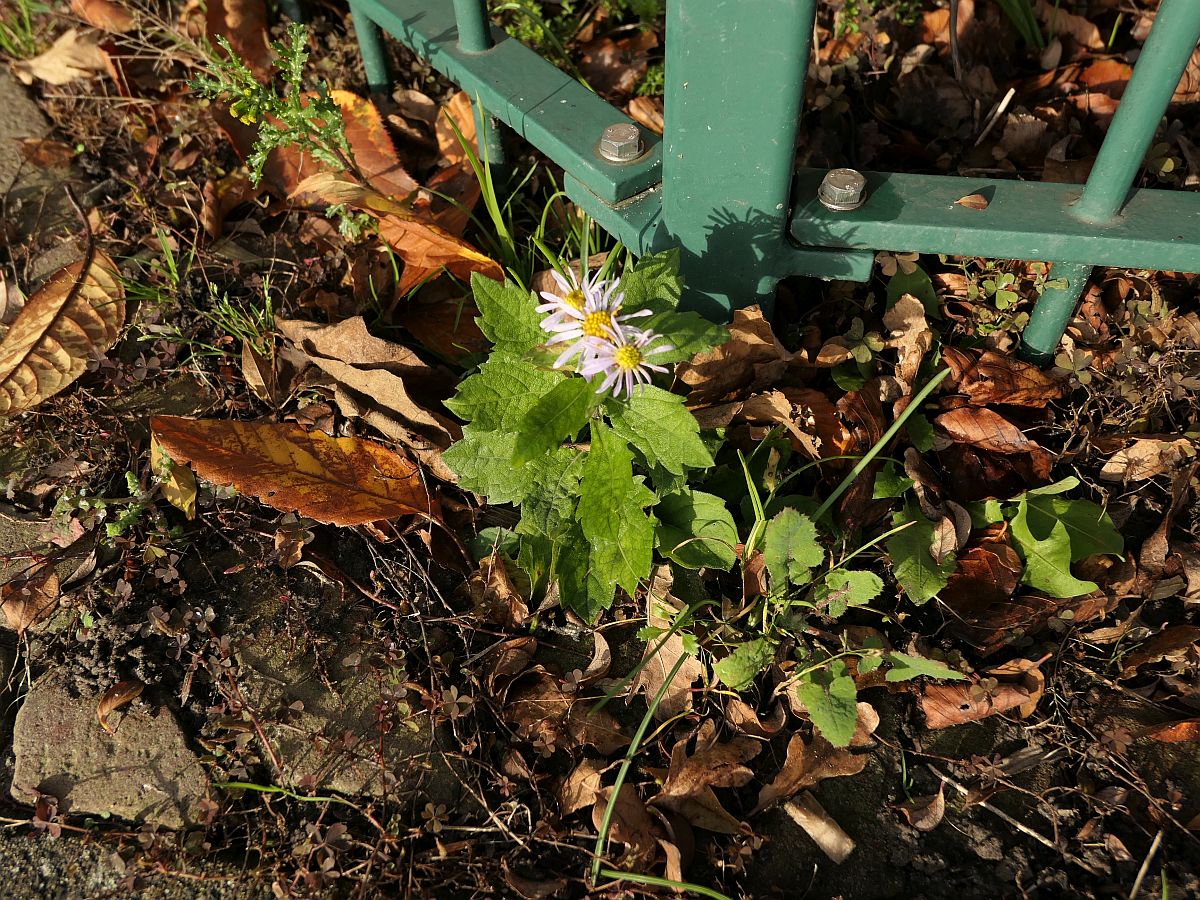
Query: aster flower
{"x": 572, "y": 297}
{"x": 590, "y": 327}
{"x": 624, "y": 359}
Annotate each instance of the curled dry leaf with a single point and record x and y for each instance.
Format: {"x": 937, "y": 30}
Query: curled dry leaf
{"x": 378, "y": 381}
{"x": 73, "y": 56}
{"x": 1174, "y": 645}
{"x": 810, "y": 761}
{"x": 745, "y": 720}
{"x": 532, "y": 888}
{"x": 457, "y": 110}
{"x": 120, "y": 694}
{"x": 496, "y": 599}
{"x": 661, "y": 655}
{"x": 631, "y": 825}
{"x": 690, "y": 779}
{"x": 910, "y": 336}
{"x": 647, "y": 112}
{"x": 68, "y": 319}
{"x": 985, "y": 429}
{"x": 508, "y": 659}
{"x": 30, "y": 599}
{"x": 985, "y": 377}
{"x": 1019, "y": 685}
{"x": 925, "y": 813}
{"x": 105, "y": 15}
{"x": 615, "y": 66}
{"x": 45, "y": 153}
{"x": 540, "y": 710}
{"x": 973, "y": 201}
{"x": 581, "y": 787}
{"x": 1147, "y": 458}
{"x": 752, "y": 357}
{"x": 810, "y": 815}
{"x": 1067, "y": 24}
{"x": 338, "y": 481}
{"x": 1175, "y": 732}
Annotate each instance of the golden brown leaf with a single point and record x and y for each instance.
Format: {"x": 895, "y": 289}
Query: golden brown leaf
{"x": 30, "y": 599}
{"x": 989, "y": 377}
{"x": 1147, "y": 458}
{"x": 178, "y": 482}
{"x": 985, "y": 429}
{"x": 457, "y": 110}
{"x": 338, "y": 481}
{"x": 752, "y": 358}
{"x": 925, "y": 813}
{"x": 631, "y": 825}
{"x": 1176, "y": 732}
{"x": 541, "y": 710}
{"x": 973, "y": 201}
{"x": 1067, "y": 24}
{"x": 647, "y": 112}
{"x": 48, "y": 345}
{"x": 581, "y": 787}
{"x": 688, "y": 786}
{"x": 1019, "y": 685}
{"x": 1173, "y": 645}
{"x": 105, "y": 15}
{"x": 496, "y": 600}
{"x": 120, "y": 694}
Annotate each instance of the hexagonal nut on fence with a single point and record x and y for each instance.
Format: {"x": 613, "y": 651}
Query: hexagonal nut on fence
{"x": 620, "y": 143}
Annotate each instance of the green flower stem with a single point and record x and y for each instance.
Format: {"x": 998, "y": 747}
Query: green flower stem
{"x": 881, "y": 443}
{"x": 655, "y": 881}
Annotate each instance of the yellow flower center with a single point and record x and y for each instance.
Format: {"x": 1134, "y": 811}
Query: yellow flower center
{"x": 628, "y": 358}
{"x": 575, "y": 298}
{"x": 595, "y": 323}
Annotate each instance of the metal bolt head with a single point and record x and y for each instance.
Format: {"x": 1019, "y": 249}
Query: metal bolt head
{"x": 842, "y": 189}
{"x": 620, "y": 143}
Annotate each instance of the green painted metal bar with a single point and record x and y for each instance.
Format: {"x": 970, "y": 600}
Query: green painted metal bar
{"x": 546, "y": 107}
{"x": 1053, "y": 311}
{"x": 729, "y": 148}
{"x": 1164, "y": 57}
{"x": 374, "y": 55}
{"x": 1023, "y": 220}
{"x": 474, "y": 28}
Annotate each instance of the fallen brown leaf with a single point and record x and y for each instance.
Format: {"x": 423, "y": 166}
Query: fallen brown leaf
{"x": 105, "y": 15}
{"x": 45, "y": 153}
{"x": 647, "y": 112}
{"x": 925, "y": 813}
{"x": 73, "y": 56}
{"x": 178, "y": 484}
{"x": 58, "y": 330}
{"x": 540, "y": 710}
{"x": 810, "y": 761}
{"x": 1175, "y": 732}
{"x": 661, "y": 655}
{"x": 120, "y": 694}
{"x": 743, "y": 718}
{"x": 458, "y": 110}
{"x": 244, "y": 24}
{"x": 338, "y": 481}
{"x": 1174, "y": 645}
{"x": 496, "y": 599}
{"x": 985, "y": 429}
{"x": 751, "y": 358}
{"x": 581, "y": 787}
{"x": 910, "y": 336}
{"x": 30, "y": 599}
{"x": 1147, "y": 458}
{"x": 532, "y": 888}
{"x": 1068, "y": 24}
{"x": 614, "y": 67}
{"x": 375, "y": 380}
{"x": 1019, "y": 686}
{"x": 631, "y": 825}
{"x": 712, "y": 764}
{"x": 973, "y": 201}
{"x": 986, "y": 377}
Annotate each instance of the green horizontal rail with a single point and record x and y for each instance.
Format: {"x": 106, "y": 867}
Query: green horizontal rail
{"x": 545, "y": 106}
{"x": 1023, "y": 220}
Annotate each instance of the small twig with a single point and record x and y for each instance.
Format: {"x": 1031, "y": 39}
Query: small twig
{"x": 995, "y": 116}
{"x": 1137, "y": 882}
{"x": 1024, "y": 829}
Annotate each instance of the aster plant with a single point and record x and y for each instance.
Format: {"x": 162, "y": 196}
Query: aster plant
{"x": 571, "y": 419}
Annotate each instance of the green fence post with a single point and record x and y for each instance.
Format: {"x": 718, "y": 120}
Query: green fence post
{"x": 734, "y": 90}
{"x": 1052, "y": 312}
{"x": 374, "y": 54}
{"x": 475, "y": 36}
{"x": 1160, "y": 66}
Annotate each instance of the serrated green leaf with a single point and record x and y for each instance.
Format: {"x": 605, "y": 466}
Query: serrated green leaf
{"x": 503, "y": 390}
{"x": 508, "y": 315}
{"x": 688, "y": 333}
{"x": 548, "y": 510}
{"x": 559, "y": 414}
{"x": 905, "y": 667}
{"x": 791, "y": 549}
{"x": 738, "y": 670}
{"x": 833, "y": 707}
{"x": 841, "y": 589}
{"x": 696, "y": 530}
{"x": 890, "y": 483}
{"x": 868, "y": 664}
{"x": 582, "y": 589}
{"x": 1045, "y": 544}
{"x": 653, "y": 283}
{"x": 659, "y": 424}
{"x": 482, "y": 460}
{"x": 620, "y": 534}
{"x": 915, "y": 569}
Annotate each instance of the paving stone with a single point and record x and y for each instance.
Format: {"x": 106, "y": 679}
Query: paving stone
{"x": 144, "y": 771}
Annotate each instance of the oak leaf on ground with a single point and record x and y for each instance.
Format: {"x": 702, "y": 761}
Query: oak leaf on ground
{"x": 338, "y": 481}
{"x": 30, "y": 599}
{"x": 73, "y": 56}
{"x": 662, "y": 653}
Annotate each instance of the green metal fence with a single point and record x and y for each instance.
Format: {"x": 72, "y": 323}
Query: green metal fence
{"x": 722, "y": 184}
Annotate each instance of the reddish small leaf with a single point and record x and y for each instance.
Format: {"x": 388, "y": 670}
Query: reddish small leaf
{"x": 1176, "y": 732}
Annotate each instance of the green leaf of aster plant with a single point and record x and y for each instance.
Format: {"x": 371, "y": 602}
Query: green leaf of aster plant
{"x": 560, "y": 414}
{"x": 695, "y": 530}
{"x": 659, "y": 424}
{"x": 738, "y": 670}
{"x": 791, "y": 549}
{"x": 499, "y": 395}
{"x": 508, "y": 315}
{"x": 831, "y": 699}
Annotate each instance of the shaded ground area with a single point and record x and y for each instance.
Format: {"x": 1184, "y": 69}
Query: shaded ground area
{"x": 209, "y": 694}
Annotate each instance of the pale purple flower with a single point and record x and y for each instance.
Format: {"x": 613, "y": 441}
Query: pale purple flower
{"x": 624, "y": 360}
{"x": 572, "y": 296}
{"x": 589, "y": 328}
